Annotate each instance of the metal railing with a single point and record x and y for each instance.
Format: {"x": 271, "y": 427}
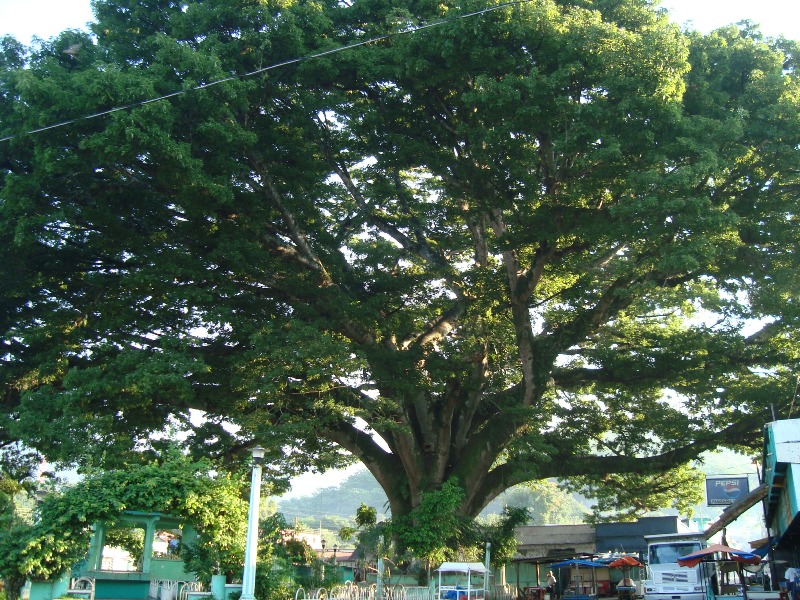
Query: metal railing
{"x": 185, "y": 587}
{"x": 82, "y": 587}
{"x": 172, "y": 589}
{"x": 350, "y": 591}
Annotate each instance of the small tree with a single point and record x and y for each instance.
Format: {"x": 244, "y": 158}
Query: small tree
{"x": 500, "y": 534}
{"x": 59, "y": 538}
{"x": 18, "y": 483}
{"x": 435, "y": 532}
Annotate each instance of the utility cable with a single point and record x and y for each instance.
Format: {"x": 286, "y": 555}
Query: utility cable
{"x": 409, "y": 30}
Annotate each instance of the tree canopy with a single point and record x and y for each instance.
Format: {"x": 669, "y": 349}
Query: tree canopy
{"x": 465, "y": 243}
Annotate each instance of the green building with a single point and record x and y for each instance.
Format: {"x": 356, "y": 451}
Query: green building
{"x": 137, "y": 557}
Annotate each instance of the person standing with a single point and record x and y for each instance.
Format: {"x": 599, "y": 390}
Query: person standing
{"x": 551, "y": 585}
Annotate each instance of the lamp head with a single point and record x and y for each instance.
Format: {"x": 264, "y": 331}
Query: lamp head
{"x": 258, "y": 454}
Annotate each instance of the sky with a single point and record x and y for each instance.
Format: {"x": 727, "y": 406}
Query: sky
{"x": 46, "y": 18}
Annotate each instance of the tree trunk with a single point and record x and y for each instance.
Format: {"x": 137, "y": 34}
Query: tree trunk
{"x": 13, "y": 586}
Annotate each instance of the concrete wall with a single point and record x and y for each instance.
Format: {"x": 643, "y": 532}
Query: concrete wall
{"x": 546, "y": 540}
{"x": 46, "y": 590}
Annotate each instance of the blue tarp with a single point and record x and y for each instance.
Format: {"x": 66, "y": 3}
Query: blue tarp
{"x": 578, "y": 563}
{"x": 762, "y": 551}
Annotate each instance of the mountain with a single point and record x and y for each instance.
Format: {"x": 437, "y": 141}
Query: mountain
{"x": 334, "y": 507}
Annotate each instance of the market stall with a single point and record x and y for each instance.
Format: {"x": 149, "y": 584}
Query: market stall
{"x": 626, "y": 590}
{"x": 582, "y": 583}
{"x": 709, "y": 556}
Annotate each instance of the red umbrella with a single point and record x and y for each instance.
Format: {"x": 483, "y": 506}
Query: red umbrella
{"x": 625, "y": 562}
{"x": 740, "y": 556}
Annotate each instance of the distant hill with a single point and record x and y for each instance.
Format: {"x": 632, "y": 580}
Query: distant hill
{"x": 334, "y": 507}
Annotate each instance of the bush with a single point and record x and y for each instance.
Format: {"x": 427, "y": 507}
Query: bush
{"x": 275, "y": 581}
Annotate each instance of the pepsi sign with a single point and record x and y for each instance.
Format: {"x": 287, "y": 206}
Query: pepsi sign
{"x": 724, "y": 491}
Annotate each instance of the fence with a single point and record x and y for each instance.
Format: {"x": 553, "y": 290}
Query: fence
{"x": 81, "y": 587}
{"x": 167, "y": 589}
{"x": 191, "y": 589}
{"x": 170, "y": 589}
{"x": 348, "y": 591}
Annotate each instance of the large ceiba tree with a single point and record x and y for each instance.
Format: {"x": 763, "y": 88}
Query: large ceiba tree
{"x": 548, "y": 239}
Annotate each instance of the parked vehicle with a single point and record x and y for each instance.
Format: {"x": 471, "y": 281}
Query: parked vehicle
{"x": 666, "y": 580}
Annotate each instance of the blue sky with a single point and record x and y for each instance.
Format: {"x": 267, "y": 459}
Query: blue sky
{"x": 46, "y": 18}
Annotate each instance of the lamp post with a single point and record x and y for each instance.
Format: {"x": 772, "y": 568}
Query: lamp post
{"x": 251, "y": 542}
{"x": 322, "y": 543}
{"x": 335, "y": 567}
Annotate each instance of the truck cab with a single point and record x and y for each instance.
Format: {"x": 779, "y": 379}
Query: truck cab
{"x": 666, "y": 580}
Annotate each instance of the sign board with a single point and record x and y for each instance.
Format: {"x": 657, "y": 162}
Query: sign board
{"x": 724, "y": 491}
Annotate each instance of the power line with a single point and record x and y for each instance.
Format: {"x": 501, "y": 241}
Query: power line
{"x": 409, "y": 30}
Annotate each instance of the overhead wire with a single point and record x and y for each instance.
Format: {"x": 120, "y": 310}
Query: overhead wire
{"x": 203, "y": 86}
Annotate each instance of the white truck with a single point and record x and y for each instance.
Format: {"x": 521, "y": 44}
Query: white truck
{"x": 666, "y": 580}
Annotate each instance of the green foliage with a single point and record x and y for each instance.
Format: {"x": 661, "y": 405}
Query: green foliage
{"x": 547, "y": 504}
{"x": 18, "y": 483}
{"x": 435, "y": 530}
{"x": 175, "y": 485}
{"x": 501, "y": 535}
{"x": 277, "y": 557}
{"x": 556, "y": 240}
{"x": 273, "y": 541}
{"x": 299, "y": 552}
{"x": 128, "y": 537}
{"x": 641, "y": 493}
{"x": 275, "y": 580}
{"x": 368, "y": 535}
{"x": 366, "y": 516}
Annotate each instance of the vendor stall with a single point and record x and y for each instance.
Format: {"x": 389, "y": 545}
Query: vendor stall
{"x": 716, "y": 555}
{"x": 582, "y": 579}
{"x": 626, "y": 590}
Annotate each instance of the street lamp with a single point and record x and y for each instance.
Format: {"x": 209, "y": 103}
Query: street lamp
{"x": 251, "y": 542}
{"x": 322, "y": 543}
